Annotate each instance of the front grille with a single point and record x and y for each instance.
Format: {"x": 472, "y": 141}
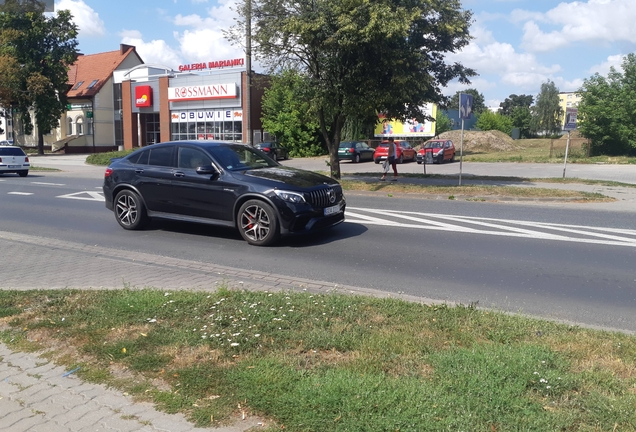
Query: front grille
{"x": 320, "y": 198}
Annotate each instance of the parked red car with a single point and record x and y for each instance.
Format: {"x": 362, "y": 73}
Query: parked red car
{"x": 441, "y": 150}
{"x": 403, "y": 151}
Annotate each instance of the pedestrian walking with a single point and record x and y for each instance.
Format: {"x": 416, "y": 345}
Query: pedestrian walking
{"x": 390, "y": 161}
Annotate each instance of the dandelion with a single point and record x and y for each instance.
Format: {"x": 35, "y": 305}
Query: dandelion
{"x": 234, "y": 344}
{"x": 257, "y": 335}
{"x": 547, "y": 387}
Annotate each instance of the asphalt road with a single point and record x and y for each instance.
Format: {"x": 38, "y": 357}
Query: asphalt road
{"x": 563, "y": 262}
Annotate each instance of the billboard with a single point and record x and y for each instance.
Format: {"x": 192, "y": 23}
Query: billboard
{"x": 409, "y": 128}
{"x": 570, "y": 119}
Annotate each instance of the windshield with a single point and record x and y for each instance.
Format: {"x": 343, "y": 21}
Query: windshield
{"x": 345, "y": 144}
{"x": 434, "y": 144}
{"x": 240, "y": 157}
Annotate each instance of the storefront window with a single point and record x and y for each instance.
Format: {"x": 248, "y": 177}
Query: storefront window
{"x": 208, "y": 124}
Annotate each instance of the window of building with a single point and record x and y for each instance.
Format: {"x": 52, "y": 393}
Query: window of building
{"x": 79, "y": 126}
{"x": 92, "y": 84}
{"x": 89, "y": 126}
{"x": 206, "y": 124}
{"x": 69, "y": 126}
{"x": 78, "y": 85}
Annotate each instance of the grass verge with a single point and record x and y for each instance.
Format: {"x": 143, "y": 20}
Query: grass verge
{"x": 333, "y": 362}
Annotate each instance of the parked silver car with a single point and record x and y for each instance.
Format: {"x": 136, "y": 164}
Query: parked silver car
{"x": 14, "y": 160}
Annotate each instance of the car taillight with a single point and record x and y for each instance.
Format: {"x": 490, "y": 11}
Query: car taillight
{"x": 108, "y": 172}
{"x": 351, "y": 150}
{"x": 26, "y": 159}
{"x": 0, "y": 159}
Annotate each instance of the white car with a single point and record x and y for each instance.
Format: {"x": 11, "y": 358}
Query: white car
{"x": 14, "y": 160}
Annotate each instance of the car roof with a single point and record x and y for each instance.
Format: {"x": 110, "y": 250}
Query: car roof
{"x": 198, "y": 143}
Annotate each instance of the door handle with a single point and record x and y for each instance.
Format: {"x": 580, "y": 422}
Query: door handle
{"x": 178, "y": 174}
{"x": 139, "y": 170}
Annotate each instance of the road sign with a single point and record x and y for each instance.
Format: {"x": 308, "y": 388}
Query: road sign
{"x": 465, "y": 106}
{"x": 570, "y": 119}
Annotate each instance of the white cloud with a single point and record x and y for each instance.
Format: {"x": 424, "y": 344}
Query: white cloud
{"x": 603, "y": 69}
{"x": 537, "y": 41}
{"x": 153, "y": 52}
{"x": 592, "y": 21}
{"x": 88, "y": 21}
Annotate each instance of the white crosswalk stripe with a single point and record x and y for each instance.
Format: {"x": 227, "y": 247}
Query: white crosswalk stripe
{"x": 491, "y": 226}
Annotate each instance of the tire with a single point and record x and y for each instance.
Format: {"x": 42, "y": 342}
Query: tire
{"x": 130, "y": 211}
{"x": 419, "y": 162}
{"x": 23, "y": 173}
{"x": 286, "y": 156}
{"x": 257, "y": 223}
{"x": 377, "y": 161}
{"x": 401, "y": 159}
{"x": 453, "y": 158}
{"x": 273, "y": 156}
{"x": 356, "y": 158}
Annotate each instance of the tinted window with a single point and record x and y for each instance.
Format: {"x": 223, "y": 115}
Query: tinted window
{"x": 240, "y": 157}
{"x": 161, "y": 156}
{"x": 192, "y": 158}
{"x": 139, "y": 157}
{"x": 345, "y": 144}
{"x": 14, "y": 151}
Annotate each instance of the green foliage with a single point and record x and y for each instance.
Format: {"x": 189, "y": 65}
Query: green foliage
{"x": 547, "y": 110}
{"x": 105, "y": 157}
{"x": 442, "y": 122}
{"x": 36, "y": 51}
{"x": 607, "y": 110}
{"x": 479, "y": 105}
{"x": 489, "y": 120}
{"x": 360, "y": 58}
{"x": 508, "y": 106}
{"x": 288, "y": 115}
{"x": 521, "y": 117}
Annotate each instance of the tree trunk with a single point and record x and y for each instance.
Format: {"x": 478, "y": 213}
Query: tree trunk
{"x": 40, "y": 142}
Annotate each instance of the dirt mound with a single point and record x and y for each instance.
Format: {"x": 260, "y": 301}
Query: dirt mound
{"x": 481, "y": 140}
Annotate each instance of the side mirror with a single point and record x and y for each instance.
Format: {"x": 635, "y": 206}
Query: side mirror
{"x": 208, "y": 170}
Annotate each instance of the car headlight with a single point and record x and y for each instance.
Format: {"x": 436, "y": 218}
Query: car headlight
{"x": 291, "y": 197}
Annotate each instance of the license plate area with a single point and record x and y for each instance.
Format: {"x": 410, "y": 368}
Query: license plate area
{"x": 14, "y": 166}
{"x": 332, "y": 210}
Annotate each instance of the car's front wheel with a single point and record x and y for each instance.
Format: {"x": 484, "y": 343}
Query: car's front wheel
{"x": 401, "y": 159}
{"x": 130, "y": 211}
{"x": 257, "y": 223}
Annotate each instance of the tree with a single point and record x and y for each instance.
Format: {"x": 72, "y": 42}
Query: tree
{"x": 360, "y": 58}
{"x": 442, "y": 122}
{"x": 521, "y": 117}
{"x": 38, "y": 51}
{"x": 547, "y": 110}
{"x": 607, "y": 110}
{"x": 479, "y": 104}
{"x": 489, "y": 120}
{"x": 287, "y": 114}
{"x": 513, "y": 101}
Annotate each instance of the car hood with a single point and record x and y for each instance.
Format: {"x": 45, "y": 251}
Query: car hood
{"x": 282, "y": 175}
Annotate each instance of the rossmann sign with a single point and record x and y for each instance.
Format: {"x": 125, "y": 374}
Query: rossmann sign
{"x": 202, "y": 92}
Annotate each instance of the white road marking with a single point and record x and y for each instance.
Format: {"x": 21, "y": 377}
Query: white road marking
{"x": 84, "y": 195}
{"x": 48, "y": 184}
{"x": 490, "y": 226}
{"x": 19, "y": 193}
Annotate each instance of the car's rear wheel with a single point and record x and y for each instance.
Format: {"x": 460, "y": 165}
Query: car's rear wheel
{"x": 257, "y": 223}
{"x": 130, "y": 211}
{"x": 356, "y": 158}
{"x": 23, "y": 173}
{"x": 453, "y": 158}
{"x": 377, "y": 161}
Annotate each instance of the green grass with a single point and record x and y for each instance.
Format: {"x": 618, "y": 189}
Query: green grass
{"x": 331, "y": 362}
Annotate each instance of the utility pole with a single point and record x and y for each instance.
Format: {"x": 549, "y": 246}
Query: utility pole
{"x": 248, "y": 78}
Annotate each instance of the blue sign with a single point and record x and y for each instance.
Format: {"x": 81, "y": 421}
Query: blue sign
{"x": 465, "y": 106}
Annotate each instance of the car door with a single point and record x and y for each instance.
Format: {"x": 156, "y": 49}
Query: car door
{"x": 366, "y": 152}
{"x": 153, "y": 178}
{"x": 201, "y": 195}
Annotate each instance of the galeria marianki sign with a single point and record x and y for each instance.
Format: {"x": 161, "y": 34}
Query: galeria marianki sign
{"x": 202, "y": 92}
{"x": 212, "y": 65}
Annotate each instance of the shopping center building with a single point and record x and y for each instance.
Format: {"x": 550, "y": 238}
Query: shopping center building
{"x": 115, "y": 102}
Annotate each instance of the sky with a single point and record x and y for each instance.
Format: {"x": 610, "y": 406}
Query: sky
{"x": 517, "y": 44}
